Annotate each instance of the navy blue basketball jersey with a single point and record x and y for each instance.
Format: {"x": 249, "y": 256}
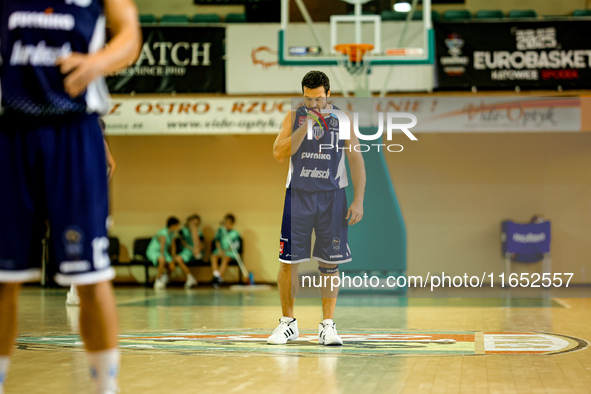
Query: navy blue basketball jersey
{"x": 33, "y": 35}
{"x": 312, "y": 168}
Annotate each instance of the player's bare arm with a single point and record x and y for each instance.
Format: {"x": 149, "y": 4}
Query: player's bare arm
{"x": 357, "y": 165}
{"x": 110, "y": 162}
{"x": 288, "y": 143}
{"x": 81, "y": 69}
{"x": 173, "y": 250}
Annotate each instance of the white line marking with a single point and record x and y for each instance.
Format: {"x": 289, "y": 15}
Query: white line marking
{"x": 562, "y": 302}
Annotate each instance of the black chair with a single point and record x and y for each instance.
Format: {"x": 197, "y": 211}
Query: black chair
{"x": 114, "y": 247}
{"x": 140, "y": 247}
{"x": 114, "y": 250}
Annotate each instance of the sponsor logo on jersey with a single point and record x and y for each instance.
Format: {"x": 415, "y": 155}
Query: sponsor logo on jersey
{"x": 318, "y": 132}
{"x": 334, "y": 122}
{"x": 336, "y": 244}
{"x": 281, "y": 245}
{"x": 301, "y": 120}
{"x": 336, "y": 256}
{"x": 529, "y": 238}
{"x": 316, "y": 156}
{"x": 37, "y": 55}
{"x": 73, "y": 242}
{"x": 41, "y": 20}
{"x": 74, "y": 266}
{"x": 315, "y": 173}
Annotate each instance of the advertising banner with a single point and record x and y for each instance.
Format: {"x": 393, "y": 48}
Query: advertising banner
{"x": 175, "y": 59}
{"x": 505, "y": 54}
{"x": 263, "y": 115}
{"x": 241, "y": 115}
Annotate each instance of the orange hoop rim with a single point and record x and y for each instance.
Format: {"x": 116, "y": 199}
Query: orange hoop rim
{"x": 354, "y": 51}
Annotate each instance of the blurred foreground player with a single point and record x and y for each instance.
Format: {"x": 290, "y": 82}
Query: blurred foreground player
{"x": 73, "y": 298}
{"x": 315, "y": 199}
{"x": 52, "y": 159}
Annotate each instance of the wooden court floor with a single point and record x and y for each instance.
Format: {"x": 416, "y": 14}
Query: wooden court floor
{"x": 206, "y": 341}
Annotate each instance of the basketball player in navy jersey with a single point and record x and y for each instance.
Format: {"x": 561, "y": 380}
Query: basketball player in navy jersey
{"x": 52, "y": 159}
{"x": 315, "y": 199}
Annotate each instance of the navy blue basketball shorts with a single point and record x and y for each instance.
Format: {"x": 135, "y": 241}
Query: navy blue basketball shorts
{"x": 55, "y": 171}
{"x": 323, "y": 212}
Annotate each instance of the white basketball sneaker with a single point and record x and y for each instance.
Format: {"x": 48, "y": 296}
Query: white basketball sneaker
{"x": 287, "y": 330}
{"x": 191, "y": 281}
{"x": 72, "y": 298}
{"x": 159, "y": 284}
{"x": 327, "y": 334}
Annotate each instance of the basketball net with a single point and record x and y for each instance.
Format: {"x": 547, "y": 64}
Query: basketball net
{"x": 357, "y": 66}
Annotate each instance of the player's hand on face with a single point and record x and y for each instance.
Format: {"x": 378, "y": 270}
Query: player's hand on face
{"x": 80, "y": 70}
{"x": 355, "y": 213}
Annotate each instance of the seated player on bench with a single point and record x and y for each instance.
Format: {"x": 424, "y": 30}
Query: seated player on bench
{"x": 227, "y": 242}
{"x": 158, "y": 253}
{"x": 191, "y": 241}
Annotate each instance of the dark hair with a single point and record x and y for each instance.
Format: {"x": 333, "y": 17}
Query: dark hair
{"x": 231, "y": 217}
{"x": 194, "y": 216}
{"x": 171, "y": 221}
{"x": 315, "y": 79}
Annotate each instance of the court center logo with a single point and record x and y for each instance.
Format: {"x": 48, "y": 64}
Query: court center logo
{"x": 355, "y": 344}
{"x": 387, "y": 122}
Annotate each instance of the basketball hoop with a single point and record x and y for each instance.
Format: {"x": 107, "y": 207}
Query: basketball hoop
{"x": 357, "y": 66}
{"x": 355, "y": 52}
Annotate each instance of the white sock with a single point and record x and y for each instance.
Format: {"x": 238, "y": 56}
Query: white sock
{"x": 4, "y": 363}
{"x": 104, "y": 369}
{"x": 327, "y": 321}
{"x": 216, "y": 273}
